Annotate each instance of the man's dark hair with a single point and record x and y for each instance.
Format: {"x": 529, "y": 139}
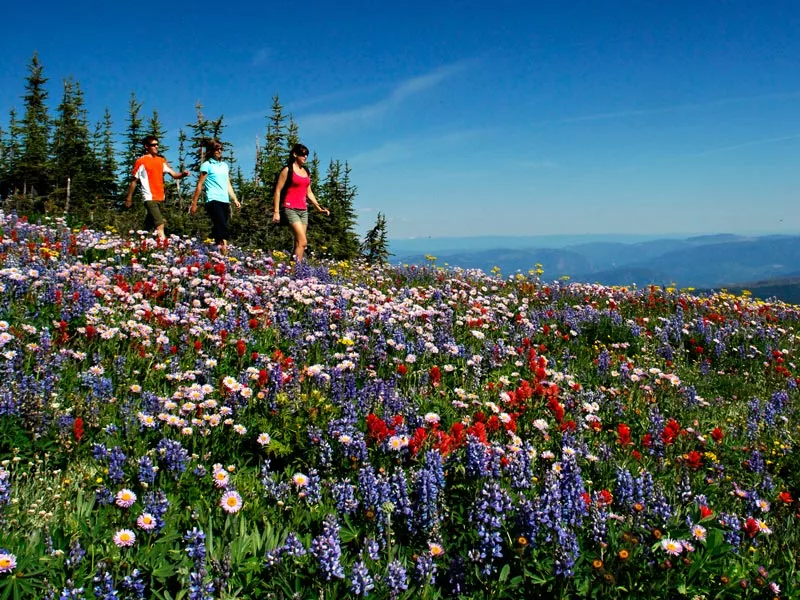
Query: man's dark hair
{"x": 149, "y": 140}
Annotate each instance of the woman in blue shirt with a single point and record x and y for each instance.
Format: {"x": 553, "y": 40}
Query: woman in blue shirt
{"x": 215, "y": 183}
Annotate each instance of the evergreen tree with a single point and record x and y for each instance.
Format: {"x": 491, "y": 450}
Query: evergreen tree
{"x": 154, "y": 127}
{"x": 292, "y": 134}
{"x": 73, "y": 164}
{"x": 132, "y": 144}
{"x": 30, "y": 173}
{"x": 10, "y": 148}
{"x": 335, "y": 234}
{"x": 254, "y": 227}
{"x": 203, "y": 129}
{"x": 375, "y": 247}
{"x": 107, "y": 184}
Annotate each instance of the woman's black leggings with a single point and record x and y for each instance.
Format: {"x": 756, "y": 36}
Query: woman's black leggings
{"x": 219, "y": 213}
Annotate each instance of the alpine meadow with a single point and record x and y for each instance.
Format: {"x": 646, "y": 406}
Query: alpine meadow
{"x": 179, "y": 423}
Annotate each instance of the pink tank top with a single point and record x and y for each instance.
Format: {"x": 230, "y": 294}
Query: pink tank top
{"x": 296, "y": 194}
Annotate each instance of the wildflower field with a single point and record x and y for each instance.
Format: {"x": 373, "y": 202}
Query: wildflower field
{"x": 175, "y": 423}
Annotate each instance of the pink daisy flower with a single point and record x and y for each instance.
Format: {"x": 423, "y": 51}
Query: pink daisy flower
{"x": 124, "y": 537}
{"x": 125, "y": 498}
{"x": 231, "y": 502}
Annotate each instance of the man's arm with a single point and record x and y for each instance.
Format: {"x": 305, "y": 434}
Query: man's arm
{"x": 131, "y": 188}
{"x": 168, "y": 169}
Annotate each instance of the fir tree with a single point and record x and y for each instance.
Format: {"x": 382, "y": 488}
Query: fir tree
{"x": 107, "y": 184}
{"x": 30, "y": 173}
{"x": 154, "y": 127}
{"x": 73, "y": 164}
{"x": 132, "y": 144}
{"x": 375, "y": 246}
{"x": 11, "y": 149}
{"x": 254, "y": 227}
{"x": 335, "y": 234}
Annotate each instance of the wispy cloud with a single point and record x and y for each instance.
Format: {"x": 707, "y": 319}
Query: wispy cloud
{"x": 328, "y": 120}
{"x": 396, "y": 97}
{"x": 394, "y": 151}
{"x": 624, "y": 114}
{"x": 749, "y": 144}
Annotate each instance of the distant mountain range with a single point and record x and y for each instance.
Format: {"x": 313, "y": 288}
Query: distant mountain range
{"x": 767, "y": 265}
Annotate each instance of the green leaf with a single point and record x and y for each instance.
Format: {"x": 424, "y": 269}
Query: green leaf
{"x": 504, "y": 573}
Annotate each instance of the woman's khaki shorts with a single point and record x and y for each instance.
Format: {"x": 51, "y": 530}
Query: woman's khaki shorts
{"x": 294, "y": 215}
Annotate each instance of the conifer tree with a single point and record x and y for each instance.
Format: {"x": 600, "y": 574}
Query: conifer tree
{"x": 375, "y": 247}
{"x": 202, "y": 129}
{"x": 106, "y": 154}
{"x": 254, "y": 225}
{"x": 132, "y": 144}
{"x": 30, "y": 173}
{"x": 335, "y": 233}
{"x": 10, "y": 154}
{"x": 72, "y": 157}
{"x": 154, "y": 127}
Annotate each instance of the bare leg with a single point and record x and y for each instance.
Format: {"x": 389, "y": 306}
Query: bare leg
{"x": 300, "y": 241}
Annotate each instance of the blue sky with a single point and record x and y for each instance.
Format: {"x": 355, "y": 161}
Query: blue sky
{"x": 469, "y": 118}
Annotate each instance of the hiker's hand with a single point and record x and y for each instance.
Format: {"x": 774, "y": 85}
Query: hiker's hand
{"x": 276, "y": 217}
{"x": 193, "y": 208}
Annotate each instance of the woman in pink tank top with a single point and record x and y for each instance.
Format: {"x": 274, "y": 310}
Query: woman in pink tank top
{"x": 291, "y": 192}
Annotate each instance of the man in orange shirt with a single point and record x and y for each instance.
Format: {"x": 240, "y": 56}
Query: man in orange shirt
{"x": 149, "y": 172}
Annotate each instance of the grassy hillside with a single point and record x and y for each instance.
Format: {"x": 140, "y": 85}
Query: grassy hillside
{"x": 175, "y": 423}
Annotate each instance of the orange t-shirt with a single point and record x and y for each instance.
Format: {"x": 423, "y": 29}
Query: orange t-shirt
{"x": 149, "y": 170}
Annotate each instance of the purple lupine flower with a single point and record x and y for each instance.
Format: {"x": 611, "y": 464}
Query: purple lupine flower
{"x": 753, "y": 418}
{"x": 361, "y": 582}
{"x": 428, "y": 486}
{"x": 567, "y": 551}
{"x": 147, "y": 472}
{"x": 104, "y": 584}
{"x": 623, "y": 489}
{"x": 172, "y": 456}
{"x": 76, "y": 554}
{"x": 327, "y": 550}
{"x": 293, "y": 546}
{"x": 489, "y": 513}
{"x": 104, "y": 496}
{"x": 274, "y": 488}
{"x": 399, "y": 495}
{"x": 603, "y": 362}
{"x": 598, "y": 516}
{"x": 312, "y": 491}
{"x": 70, "y": 592}
{"x": 196, "y": 545}
{"x": 425, "y": 569}
{"x": 156, "y": 504}
{"x": 520, "y": 468}
{"x": 756, "y": 464}
{"x": 5, "y": 487}
{"x": 372, "y": 549}
{"x": 134, "y": 585}
{"x": 655, "y": 430}
{"x": 344, "y": 495}
{"x": 396, "y": 578}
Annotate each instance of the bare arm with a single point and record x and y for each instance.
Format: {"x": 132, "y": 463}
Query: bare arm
{"x": 198, "y": 188}
{"x": 276, "y": 214}
{"x": 131, "y": 188}
{"x": 310, "y": 195}
{"x": 168, "y": 169}
{"x": 232, "y": 194}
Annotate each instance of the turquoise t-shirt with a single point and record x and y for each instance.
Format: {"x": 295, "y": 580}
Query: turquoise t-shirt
{"x": 216, "y": 183}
